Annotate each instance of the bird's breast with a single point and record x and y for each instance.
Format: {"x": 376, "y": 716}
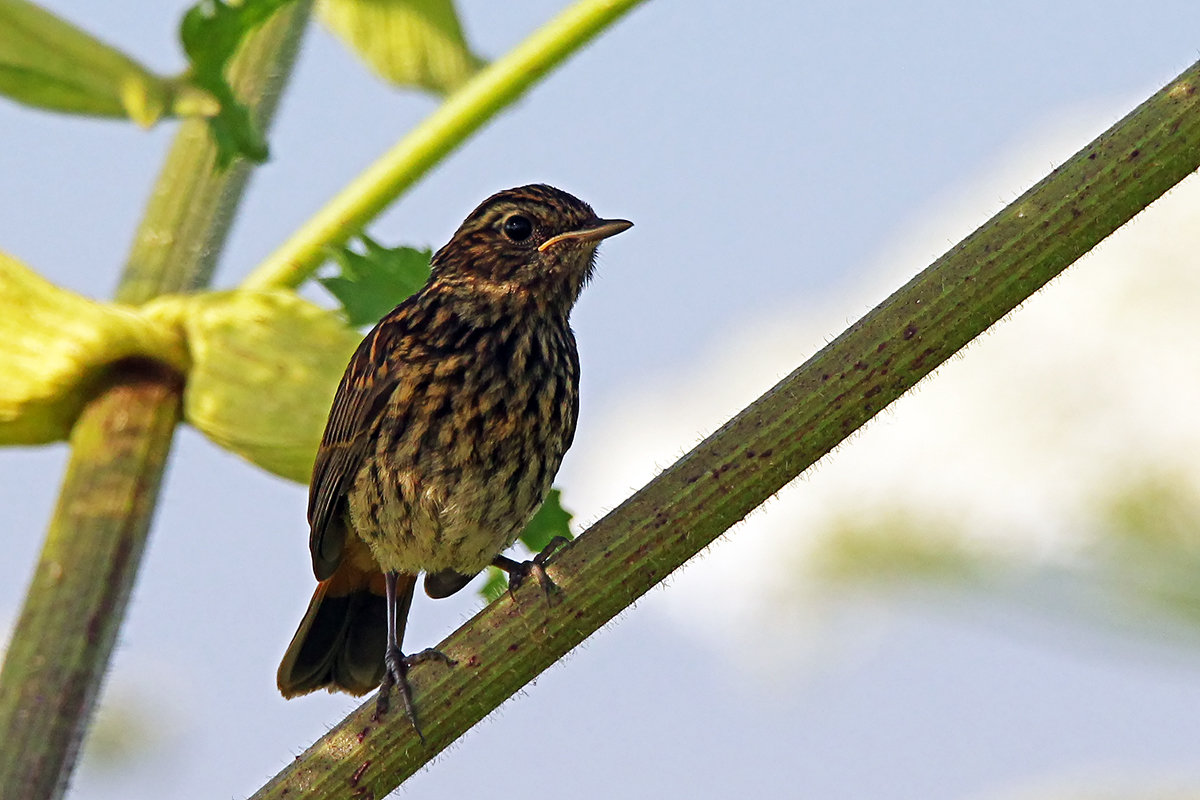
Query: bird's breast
{"x": 466, "y": 448}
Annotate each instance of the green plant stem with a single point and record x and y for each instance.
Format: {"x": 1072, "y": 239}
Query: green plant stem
{"x": 77, "y": 598}
{"x": 192, "y": 205}
{"x": 764, "y": 447}
{"x": 69, "y": 621}
{"x": 463, "y": 113}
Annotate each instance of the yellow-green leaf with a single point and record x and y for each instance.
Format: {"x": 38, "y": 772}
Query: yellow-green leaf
{"x": 264, "y": 369}
{"x": 47, "y": 62}
{"x": 55, "y": 344}
{"x": 406, "y": 42}
{"x": 261, "y": 367}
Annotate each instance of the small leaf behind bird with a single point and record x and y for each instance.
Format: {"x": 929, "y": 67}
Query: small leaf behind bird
{"x": 371, "y": 283}
{"x": 550, "y": 520}
{"x": 211, "y": 33}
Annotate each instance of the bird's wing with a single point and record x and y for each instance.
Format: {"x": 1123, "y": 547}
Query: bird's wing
{"x": 369, "y": 381}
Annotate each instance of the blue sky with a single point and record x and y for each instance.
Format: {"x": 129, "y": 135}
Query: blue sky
{"x": 771, "y": 162}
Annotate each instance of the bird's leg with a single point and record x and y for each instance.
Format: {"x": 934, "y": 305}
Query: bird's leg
{"x": 518, "y": 571}
{"x": 396, "y": 664}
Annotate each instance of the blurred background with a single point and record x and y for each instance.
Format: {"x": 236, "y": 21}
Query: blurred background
{"x": 993, "y": 591}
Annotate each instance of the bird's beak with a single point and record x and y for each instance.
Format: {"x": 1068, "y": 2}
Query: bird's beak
{"x": 594, "y": 232}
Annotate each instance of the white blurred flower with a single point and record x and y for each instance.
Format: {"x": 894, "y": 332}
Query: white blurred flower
{"x": 1003, "y": 454}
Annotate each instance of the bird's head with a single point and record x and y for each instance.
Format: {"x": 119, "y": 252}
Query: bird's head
{"x": 530, "y": 239}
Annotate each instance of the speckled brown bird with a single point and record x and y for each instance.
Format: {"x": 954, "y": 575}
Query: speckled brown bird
{"x": 445, "y": 433}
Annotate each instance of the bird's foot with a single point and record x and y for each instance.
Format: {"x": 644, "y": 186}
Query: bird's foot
{"x": 518, "y": 571}
{"x": 395, "y": 675}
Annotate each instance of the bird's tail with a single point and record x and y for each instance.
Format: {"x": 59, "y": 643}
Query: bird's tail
{"x": 341, "y": 641}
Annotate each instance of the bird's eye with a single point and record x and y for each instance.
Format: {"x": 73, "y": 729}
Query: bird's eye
{"x": 518, "y": 228}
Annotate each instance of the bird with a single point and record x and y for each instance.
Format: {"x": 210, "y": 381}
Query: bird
{"x": 444, "y": 435}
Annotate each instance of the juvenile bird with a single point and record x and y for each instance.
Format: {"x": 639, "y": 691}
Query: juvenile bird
{"x": 445, "y": 433}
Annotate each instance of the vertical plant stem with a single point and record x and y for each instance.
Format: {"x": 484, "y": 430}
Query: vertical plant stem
{"x": 187, "y": 218}
{"x": 65, "y": 635}
{"x": 80, "y": 589}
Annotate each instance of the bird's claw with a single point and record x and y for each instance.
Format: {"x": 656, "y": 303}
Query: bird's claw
{"x": 518, "y": 571}
{"x": 395, "y": 674}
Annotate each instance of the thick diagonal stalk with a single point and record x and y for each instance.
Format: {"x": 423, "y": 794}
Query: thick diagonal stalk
{"x": 764, "y": 447}
{"x": 60, "y": 649}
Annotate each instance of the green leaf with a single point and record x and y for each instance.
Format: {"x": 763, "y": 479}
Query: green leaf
{"x": 406, "y": 42}
{"x": 211, "y": 32}
{"x": 49, "y": 63}
{"x": 375, "y": 281}
{"x": 233, "y": 131}
{"x": 550, "y": 520}
{"x": 495, "y": 586}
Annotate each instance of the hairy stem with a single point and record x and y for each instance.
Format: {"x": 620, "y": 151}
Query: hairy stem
{"x": 463, "y": 113}
{"x": 764, "y": 447}
{"x": 191, "y": 207}
{"x": 64, "y": 637}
